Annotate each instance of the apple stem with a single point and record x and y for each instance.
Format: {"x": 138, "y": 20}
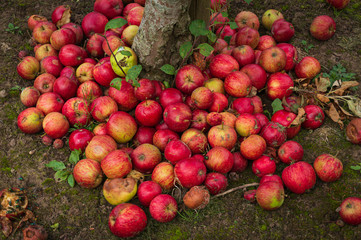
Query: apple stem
{"x": 235, "y": 189}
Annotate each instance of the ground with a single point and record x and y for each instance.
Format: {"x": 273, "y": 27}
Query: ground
{"x": 76, "y": 213}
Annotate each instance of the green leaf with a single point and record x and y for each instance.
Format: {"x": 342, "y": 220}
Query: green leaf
{"x": 185, "y": 48}
{"x": 276, "y": 105}
{"x": 115, "y": 23}
{"x": 198, "y": 28}
{"x": 248, "y": 1}
{"x": 133, "y": 73}
{"x": 212, "y": 37}
{"x": 61, "y": 175}
{"x": 74, "y": 156}
{"x": 357, "y": 167}
{"x": 55, "y": 226}
{"x": 227, "y": 39}
{"x": 116, "y": 83}
{"x": 56, "y": 165}
{"x": 168, "y": 69}
{"x": 135, "y": 83}
{"x": 126, "y": 53}
{"x": 71, "y": 181}
{"x": 224, "y": 14}
{"x": 233, "y": 25}
{"x": 205, "y": 49}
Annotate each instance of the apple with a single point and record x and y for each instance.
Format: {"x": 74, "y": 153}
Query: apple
{"x": 89, "y": 91}
{"x": 215, "y": 85}
{"x": 253, "y": 147}
{"x": 102, "y": 107}
{"x": 135, "y": 15}
{"x": 202, "y": 97}
{"x": 323, "y": 27}
{"x": 99, "y": 147}
{"x": 220, "y": 102}
{"x": 225, "y": 31}
{"x": 215, "y": 183}
{"x": 129, "y": 33}
{"x": 190, "y": 172}
{"x": 112, "y": 44}
{"x": 100, "y": 129}
{"x": 279, "y": 85}
{"x": 265, "y": 42}
{"x": 146, "y": 90}
{"x": 274, "y": 134}
{"x": 314, "y": 117}
{"x": 50, "y": 102}
{"x": 237, "y": 84}
{"x": 195, "y": 140}
{"x": 77, "y": 30}
{"x": 328, "y": 168}
{"x": 256, "y": 74}
{"x": 169, "y": 96}
{"x": 79, "y": 139}
{"x": 176, "y": 150}
{"x": 246, "y": 18}
{"x": 273, "y": 59}
{"x": 244, "y": 55}
{"x": 163, "y": 175}
{"x": 144, "y": 135}
{"x": 42, "y": 32}
{"x": 308, "y": 67}
{"x": 65, "y": 87}
{"x": 247, "y": 36}
{"x": 243, "y": 105}
{"x": 44, "y": 51}
{"x": 219, "y": 159}
{"x": 257, "y": 104}
{"x": 240, "y": 163}
{"x": 177, "y": 117}
{"x": 162, "y": 137}
{"x": 226, "y": 50}
{"x": 148, "y": 113}
{"x": 199, "y": 120}
{"x": 350, "y": 210}
{"x": 247, "y": 124}
{"x": 44, "y": 83}
{"x": 30, "y": 120}
{"x": 285, "y": 118}
{"x": 87, "y": 173}
{"x": 55, "y": 125}
{"x": 103, "y": 72}
{"x": 271, "y": 178}
{"x": 76, "y": 111}
{"x": 52, "y": 65}
{"x": 28, "y": 68}
{"x": 290, "y": 152}
{"x": 214, "y": 118}
{"x": 338, "y": 4}
{"x": 72, "y": 55}
{"x": 299, "y": 177}
{"x": 291, "y": 55}
{"x": 62, "y": 37}
{"x": 94, "y": 46}
{"x": 121, "y": 126}
{"x": 269, "y": 17}
{"x": 145, "y": 157}
{"x": 127, "y": 220}
{"x": 163, "y": 208}
{"x": 110, "y": 8}
{"x": 263, "y": 166}
{"x": 35, "y": 19}
{"x": 353, "y": 131}
{"x": 119, "y": 190}
{"x": 222, "y": 136}
{"x": 29, "y": 96}
{"x": 282, "y": 31}
{"x": 148, "y": 190}
{"x": 219, "y": 44}
{"x": 127, "y": 62}
{"x": 262, "y": 119}
{"x": 61, "y": 15}
{"x": 188, "y": 78}
{"x": 68, "y": 72}
{"x": 270, "y": 195}
{"x": 222, "y": 65}
{"x": 93, "y": 22}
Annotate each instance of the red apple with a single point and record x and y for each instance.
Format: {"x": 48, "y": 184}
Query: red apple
{"x": 265, "y": 42}
{"x": 222, "y": 136}
{"x": 282, "y": 31}
{"x": 65, "y": 87}
{"x": 162, "y": 137}
{"x": 87, "y": 173}
{"x": 273, "y": 59}
{"x": 76, "y": 111}
{"x": 55, "y": 125}
{"x": 256, "y": 74}
{"x": 220, "y": 102}
{"x": 243, "y": 105}
{"x": 50, "y": 102}
{"x": 29, "y": 96}
{"x": 89, "y": 91}
{"x": 79, "y": 139}
{"x": 145, "y": 157}
{"x": 28, "y": 68}
{"x": 176, "y": 150}
{"x": 271, "y": 178}
{"x": 299, "y": 177}
{"x": 102, "y": 107}
{"x": 279, "y": 85}
{"x": 94, "y": 46}
{"x": 262, "y": 119}
{"x": 35, "y": 19}
{"x": 121, "y": 126}
{"x": 84, "y": 72}
{"x": 222, "y": 65}
{"x": 103, "y": 72}
{"x": 290, "y": 152}
{"x": 169, "y": 96}
{"x": 253, "y": 147}
{"x": 163, "y": 208}
{"x": 217, "y": 21}
{"x": 247, "y": 36}
{"x": 274, "y": 134}
{"x": 246, "y": 18}
{"x": 42, "y": 32}
{"x": 52, "y": 65}
{"x": 195, "y": 140}
{"x": 225, "y": 31}
{"x": 350, "y": 210}
{"x": 308, "y": 67}
{"x": 177, "y": 117}
{"x": 77, "y": 30}
{"x": 270, "y": 195}
{"x": 68, "y": 72}
{"x": 30, "y": 120}
{"x": 163, "y": 174}
{"x": 216, "y": 183}
{"x": 247, "y": 124}
{"x": 110, "y": 8}
{"x": 219, "y": 159}
{"x": 144, "y": 135}
{"x": 135, "y": 15}
{"x": 291, "y": 55}
{"x": 240, "y": 163}
{"x": 189, "y": 78}
{"x": 61, "y": 15}
{"x": 146, "y": 90}
{"x": 125, "y": 97}
{"x": 237, "y": 84}
{"x": 44, "y": 83}
{"x": 314, "y": 117}
{"x": 328, "y": 168}
{"x": 338, "y": 4}
{"x": 202, "y": 97}
{"x": 62, "y": 37}
{"x": 100, "y": 129}
{"x": 72, "y": 55}
{"x": 323, "y": 27}
{"x": 190, "y": 172}
{"x": 116, "y": 164}
{"x": 263, "y": 166}
{"x": 99, "y": 147}
{"x": 148, "y": 190}
{"x": 127, "y": 220}
{"x": 113, "y": 44}
{"x": 244, "y": 55}
{"x": 93, "y": 22}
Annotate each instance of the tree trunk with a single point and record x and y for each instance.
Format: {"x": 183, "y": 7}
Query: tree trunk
{"x": 163, "y": 29}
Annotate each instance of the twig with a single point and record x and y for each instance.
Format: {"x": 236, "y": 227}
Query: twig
{"x": 235, "y": 189}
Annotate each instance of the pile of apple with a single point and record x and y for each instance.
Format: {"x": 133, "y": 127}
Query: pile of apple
{"x": 191, "y": 135}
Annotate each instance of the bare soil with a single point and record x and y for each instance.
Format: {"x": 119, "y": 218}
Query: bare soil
{"x": 82, "y": 214}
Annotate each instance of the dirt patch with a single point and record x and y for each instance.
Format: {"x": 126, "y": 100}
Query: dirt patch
{"x": 82, "y": 214}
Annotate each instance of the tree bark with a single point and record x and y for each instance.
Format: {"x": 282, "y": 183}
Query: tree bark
{"x": 163, "y": 29}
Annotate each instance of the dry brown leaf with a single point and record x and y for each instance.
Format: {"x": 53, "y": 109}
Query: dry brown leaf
{"x": 253, "y": 92}
{"x": 355, "y": 106}
{"x": 299, "y": 80}
{"x": 345, "y": 86}
{"x": 6, "y": 226}
{"x": 334, "y": 115}
{"x": 300, "y": 117}
{"x": 342, "y": 109}
{"x": 323, "y": 98}
{"x": 322, "y": 83}
{"x": 199, "y": 60}
{"x": 29, "y": 216}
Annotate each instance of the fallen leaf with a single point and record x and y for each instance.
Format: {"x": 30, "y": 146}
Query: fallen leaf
{"x": 322, "y": 83}
{"x": 337, "y": 83}
{"x": 355, "y": 106}
{"x": 299, "y": 80}
{"x": 29, "y": 216}
{"x": 322, "y": 98}
{"x": 6, "y": 226}
{"x": 342, "y": 109}
{"x": 300, "y": 117}
{"x": 334, "y": 115}
{"x": 199, "y": 60}
{"x": 345, "y": 86}
{"x": 253, "y": 92}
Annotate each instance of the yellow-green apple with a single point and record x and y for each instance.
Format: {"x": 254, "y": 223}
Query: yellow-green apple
{"x": 87, "y": 173}
{"x": 28, "y": 68}
{"x": 127, "y": 62}
{"x": 44, "y": 51}
{"x": 84, "y": 72}
{"x": 129, "y": 33}
{"x": 30, "y": 120}
{"x": 119, "y": 190}
{"x": 269, "y": 17}
{"x": 215, "y": 85}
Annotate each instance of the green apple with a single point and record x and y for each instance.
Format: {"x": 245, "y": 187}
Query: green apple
{"x": 269, "y": 17}
{"x": 119, "y": 190}
{"x": 125, "y": 57}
